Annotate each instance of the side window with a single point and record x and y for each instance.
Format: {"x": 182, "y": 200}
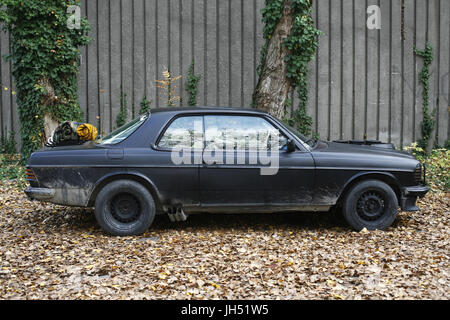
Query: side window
{"x": 241, "y": 133}
{"x": 183, "y": 132}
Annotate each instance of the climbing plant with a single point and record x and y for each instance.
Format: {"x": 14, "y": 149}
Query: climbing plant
{"x": 192, "y": 85}
{"x": 145, "y": 105}
{"x": 122, "y": 116}
{"x": 45, "y": 55}
{"x": 301, "y": 42}
{"x": 428, "y": 123}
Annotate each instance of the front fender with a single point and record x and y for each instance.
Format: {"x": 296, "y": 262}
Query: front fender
{"x": 386, "y": 177}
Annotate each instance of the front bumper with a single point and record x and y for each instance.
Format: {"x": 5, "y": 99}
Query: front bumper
{"x": 39, "y": 193}
{"x": 409, "y": 197}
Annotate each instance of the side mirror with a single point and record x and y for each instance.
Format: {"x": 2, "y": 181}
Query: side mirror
{"x": 290, "y": 146}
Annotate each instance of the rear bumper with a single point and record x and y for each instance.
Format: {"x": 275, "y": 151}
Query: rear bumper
{"x": 76, "y": 197}
{"x": 39, "y": 193}
{"x": 409, "y": 197}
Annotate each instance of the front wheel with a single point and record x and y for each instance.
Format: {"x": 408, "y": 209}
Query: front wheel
{"x": 370, "y": 204}
{"x": 124, "y": 208}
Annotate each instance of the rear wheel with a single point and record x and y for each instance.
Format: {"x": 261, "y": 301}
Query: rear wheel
{"x": 370, "y": 204}
{"x": 124, "y": 208}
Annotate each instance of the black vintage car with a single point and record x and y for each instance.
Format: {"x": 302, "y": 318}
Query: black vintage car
{"x": 180, "y": 161}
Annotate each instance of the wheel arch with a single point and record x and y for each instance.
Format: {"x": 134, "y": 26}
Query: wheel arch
{"x": 385, "y": 177}
{"x": 134, "y": 176}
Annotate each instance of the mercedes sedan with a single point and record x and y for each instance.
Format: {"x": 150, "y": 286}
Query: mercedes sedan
{"x": 180, "y": 161}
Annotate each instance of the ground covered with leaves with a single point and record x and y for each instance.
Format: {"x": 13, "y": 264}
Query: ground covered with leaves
{"x": 54, "y": 252}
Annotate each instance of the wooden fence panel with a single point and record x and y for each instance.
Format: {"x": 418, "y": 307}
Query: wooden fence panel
{"x": 362, "y": 82}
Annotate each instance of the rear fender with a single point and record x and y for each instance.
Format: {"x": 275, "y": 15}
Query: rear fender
{"x": 131, "y": 175}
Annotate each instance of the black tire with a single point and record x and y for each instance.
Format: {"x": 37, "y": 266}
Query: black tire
{"x": 370, "y": 204}
{"x": 124, "y": 208}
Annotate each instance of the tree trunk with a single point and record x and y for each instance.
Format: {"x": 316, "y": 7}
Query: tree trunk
{"x": 50, "y": 125}
{"x": 48, "y": 100}
{"x": 273, "y": 86}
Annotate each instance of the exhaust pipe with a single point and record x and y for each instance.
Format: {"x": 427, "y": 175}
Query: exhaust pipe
{"x": 176, "y": 214}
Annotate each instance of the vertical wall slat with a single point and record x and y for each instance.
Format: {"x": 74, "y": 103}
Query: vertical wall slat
{"x": 249, "y": 17}
{"x": 187, "y": 45}
{"x": 258, "y": 41}
{"x": 150, "y": 52}
{"x": 200, "y": 43}
{"x": 312, "y": 81}
{"x": 335, "y": 70}
{"x": 127, "y": 53}
{"x": 360, "y": 68}
{"x": 444, "y": 72}
{"x": 211, "y": 61}
{"x": 347, "y": 69}
{"x": 82, "y": 77}
{"x": 223, "y": 53}
{"x": 116, "y": 59}
{"x": 433, "y": 38}
{"x": 139, "y": 82}
{"x": 104, "y": 64}
{"x": 323, "y": 73}
{"x": 372, "y": 76}
{"x": 421, "y": 38}
{"x": 92, "y": 65}
{"x": 162, "y": 15}
{"x": 385, "y": 71}
{"x": 408, "y": 74}
{"x": 396, "y": 74}
{"x": 15, "y": 125}
{"x": 236, "y": 54}
{"x": 5, "y": 86}
{"x": 174, "y": 46}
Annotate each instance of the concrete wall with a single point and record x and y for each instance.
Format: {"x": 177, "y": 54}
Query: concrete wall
{"x": 362, "y": 81}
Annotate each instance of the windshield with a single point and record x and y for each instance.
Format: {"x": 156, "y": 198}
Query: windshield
{"x": 123, "y": 132}
{"x": 295, "y": 132}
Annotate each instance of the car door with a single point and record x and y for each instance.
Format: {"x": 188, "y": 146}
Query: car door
{"x": 242, "y": 168}
{"x": 176, "y": 155}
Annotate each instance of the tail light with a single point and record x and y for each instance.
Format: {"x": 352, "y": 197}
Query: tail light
{"x": 30, "y": 175}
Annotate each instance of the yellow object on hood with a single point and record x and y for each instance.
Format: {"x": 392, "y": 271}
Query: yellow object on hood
{"x": 87, "y": 131}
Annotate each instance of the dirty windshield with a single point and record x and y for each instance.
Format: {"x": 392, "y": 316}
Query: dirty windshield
{"x": 123, "y": 132}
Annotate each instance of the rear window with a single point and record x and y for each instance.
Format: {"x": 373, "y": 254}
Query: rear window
{"x": 123, "y": 132}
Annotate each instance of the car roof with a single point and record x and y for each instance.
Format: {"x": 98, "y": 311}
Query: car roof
{"x": 206, "y": 109}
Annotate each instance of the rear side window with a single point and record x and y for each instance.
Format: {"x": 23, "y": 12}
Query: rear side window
{"x": 240, "y": 133}
{"x": 124, "y": 132}
{"x": 184, "y": 132}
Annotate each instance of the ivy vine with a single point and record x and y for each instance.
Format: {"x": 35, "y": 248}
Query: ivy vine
{"x": 192, "y": 85}
{"x": 302, "y": 44}
{"x": 145, "y": 105}
{"x": 45, "y": 55}
{"x": 122, "y": 116}
{"x": 428, "y": 123}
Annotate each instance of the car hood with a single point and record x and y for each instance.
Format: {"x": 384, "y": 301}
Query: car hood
{"x": 373, "y": 150}
{"x": 334, "y": 155}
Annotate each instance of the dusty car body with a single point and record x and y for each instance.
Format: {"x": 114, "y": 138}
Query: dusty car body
{"x": 311, "y": 175}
